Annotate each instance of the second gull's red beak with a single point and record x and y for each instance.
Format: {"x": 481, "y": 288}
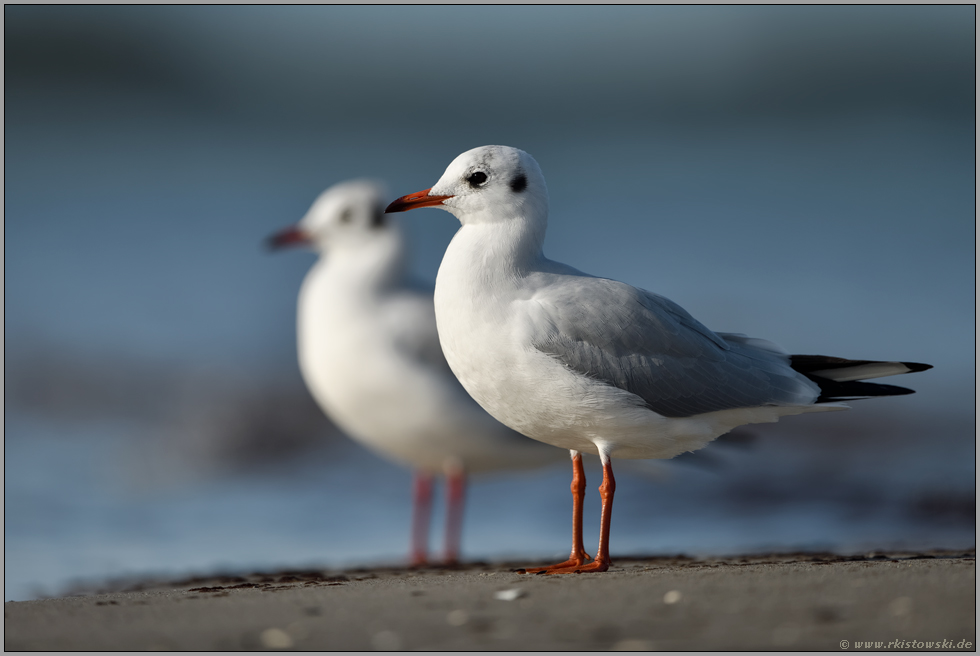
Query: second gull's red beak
{"x": 292, "y": 236}
{"x": 418, "y": 199}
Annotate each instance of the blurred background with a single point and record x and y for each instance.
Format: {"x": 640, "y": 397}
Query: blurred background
{"x": 802, "y": 174}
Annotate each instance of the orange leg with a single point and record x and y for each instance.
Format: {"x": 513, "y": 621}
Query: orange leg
{"x": 455, "y": 498}
{"x": 421, "y": 507}
{"x": 606, "y": 492}
{"x": 578, "y": 555}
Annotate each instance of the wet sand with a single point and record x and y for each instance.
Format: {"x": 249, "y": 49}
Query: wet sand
{"x": 788, "y": 601}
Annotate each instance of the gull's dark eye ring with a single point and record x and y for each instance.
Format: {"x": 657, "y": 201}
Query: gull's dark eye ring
{"x": 477, "y": 179}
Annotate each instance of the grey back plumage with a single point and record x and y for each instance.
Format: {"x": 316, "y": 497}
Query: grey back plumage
{"x": 650, "y": 346}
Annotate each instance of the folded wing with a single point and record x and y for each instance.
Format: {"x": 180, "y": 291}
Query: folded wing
{"x": 648, "y": 345}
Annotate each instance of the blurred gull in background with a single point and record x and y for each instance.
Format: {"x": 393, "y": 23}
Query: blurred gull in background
{"x": 370, "y": 355}
{"x": 594, "y": 365}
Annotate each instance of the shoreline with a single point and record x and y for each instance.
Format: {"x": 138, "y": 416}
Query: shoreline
{"x": 780, "y": 600}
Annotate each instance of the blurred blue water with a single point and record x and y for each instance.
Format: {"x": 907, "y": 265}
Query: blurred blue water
{"x": 86, "y": 505}
{"x": 802, "y": 175}
{"x": 854, "y": 239}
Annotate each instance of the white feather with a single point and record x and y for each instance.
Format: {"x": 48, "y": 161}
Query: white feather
{"x": 863, "y": 371}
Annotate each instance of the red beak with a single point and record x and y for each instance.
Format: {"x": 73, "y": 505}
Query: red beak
{"x": 291, "y": 236}
{"x": 418, "y": 199}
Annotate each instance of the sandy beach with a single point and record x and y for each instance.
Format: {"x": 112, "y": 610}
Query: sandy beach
{"x": 787, "y": 601}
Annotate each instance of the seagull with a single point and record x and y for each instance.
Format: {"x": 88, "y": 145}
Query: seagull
{"x": 594, "y": 365}
{"x": 370, "y": 356}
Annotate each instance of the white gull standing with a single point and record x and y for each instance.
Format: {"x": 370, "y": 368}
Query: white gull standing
{"x": 370, "y": 355}
{"x": 594, "y": 365}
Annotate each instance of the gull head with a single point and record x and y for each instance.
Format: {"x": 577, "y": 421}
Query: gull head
{"x": 485, "y": 185}
{"x": 345, "y": 215}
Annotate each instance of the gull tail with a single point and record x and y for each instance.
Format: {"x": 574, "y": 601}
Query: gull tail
{"x": 841, "y": 379}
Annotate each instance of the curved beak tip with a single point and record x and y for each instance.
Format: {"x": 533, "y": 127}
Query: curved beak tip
{"x": 395, "y": 206}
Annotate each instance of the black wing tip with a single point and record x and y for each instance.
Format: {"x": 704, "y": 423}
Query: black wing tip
{"x": 832, "y": 391}
{"x": 808, "y": 363}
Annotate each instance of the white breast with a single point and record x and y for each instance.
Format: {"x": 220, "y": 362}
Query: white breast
{"x": 487, "y": 344}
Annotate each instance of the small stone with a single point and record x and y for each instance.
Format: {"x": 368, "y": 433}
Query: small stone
{"x": 672, "y": 597}
{"x": 509, "y": 595}
{"x": 275, "y": 639}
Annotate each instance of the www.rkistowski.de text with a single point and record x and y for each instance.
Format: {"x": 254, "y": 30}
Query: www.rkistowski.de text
{"x": 906, "y": 644}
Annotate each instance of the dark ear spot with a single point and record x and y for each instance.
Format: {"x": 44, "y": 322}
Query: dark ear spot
{"x": 519, "y": 183}
{"x": 378, "y": 217}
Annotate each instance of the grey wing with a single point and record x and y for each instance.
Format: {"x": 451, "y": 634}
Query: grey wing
{"x": 648, "y": 345}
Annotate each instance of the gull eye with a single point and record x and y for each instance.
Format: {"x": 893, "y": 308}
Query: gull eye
{"x": 477, "y": 179}
{"x": 378, "y": 218}
{"x": 346, "y": 215}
